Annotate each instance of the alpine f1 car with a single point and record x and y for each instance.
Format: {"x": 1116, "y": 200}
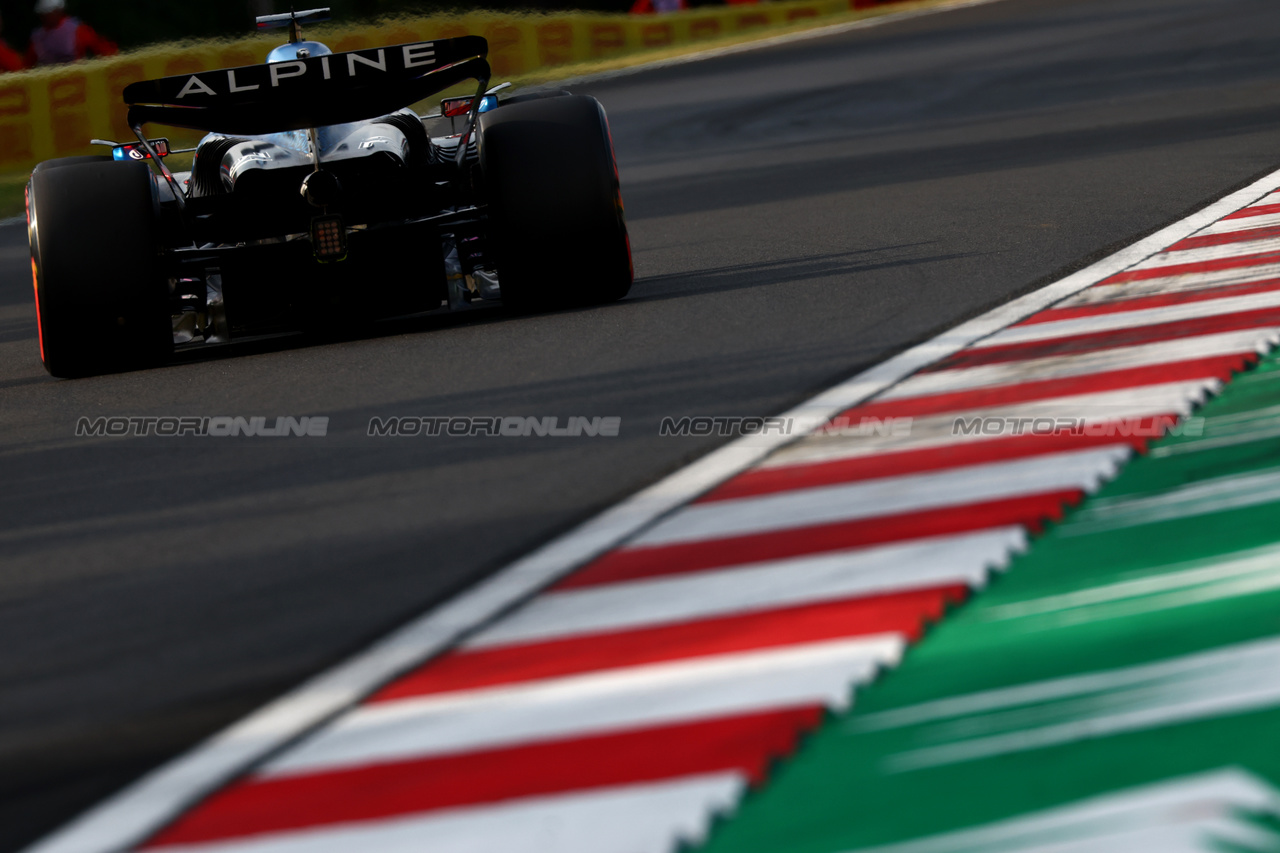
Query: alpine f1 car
{"x": 317, "y": 199}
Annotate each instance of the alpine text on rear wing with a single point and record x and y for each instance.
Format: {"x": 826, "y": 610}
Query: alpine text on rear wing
{"x": 311, "y": 91}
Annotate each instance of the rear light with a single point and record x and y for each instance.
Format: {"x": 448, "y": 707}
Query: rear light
{"x": 328, "y": 238}
{"x": 135, "y": 151}
{"x": 451, "y": 107}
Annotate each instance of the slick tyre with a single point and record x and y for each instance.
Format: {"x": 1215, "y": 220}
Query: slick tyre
{"x": 101, "y": 300}
{"x": 61, "y": 162}
{"x": 558, "y": 234}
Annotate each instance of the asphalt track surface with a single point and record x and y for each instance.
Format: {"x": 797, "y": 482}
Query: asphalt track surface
{"x": 797, "y": 214}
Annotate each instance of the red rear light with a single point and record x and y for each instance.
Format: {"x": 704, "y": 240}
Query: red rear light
{"x": 135, "y": 151}
{"x": 455, "y": 106}
{"x": 328, "y": 238}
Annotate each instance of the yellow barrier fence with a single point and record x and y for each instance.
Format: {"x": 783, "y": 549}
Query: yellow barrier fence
{"x": 54, "y": 112}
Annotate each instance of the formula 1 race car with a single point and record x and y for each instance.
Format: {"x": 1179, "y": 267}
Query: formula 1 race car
{"x": 317, "y": 200}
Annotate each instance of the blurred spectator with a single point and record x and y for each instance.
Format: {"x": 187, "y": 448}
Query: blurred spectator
{"x": 647, "y": 7}
{"x": 62, "y": 38}
{"x": 10, "y": 59}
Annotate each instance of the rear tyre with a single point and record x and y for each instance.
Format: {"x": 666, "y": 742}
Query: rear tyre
{"x": 536, "y": 96}
{"x": 60, "y": 162}
{"x": 559, "y": 237}
{"x": 101, "y": 300}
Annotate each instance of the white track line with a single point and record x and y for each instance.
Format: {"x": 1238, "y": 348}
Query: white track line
{"x": 137, "y": 811}
{"x": 1272, "y": 197}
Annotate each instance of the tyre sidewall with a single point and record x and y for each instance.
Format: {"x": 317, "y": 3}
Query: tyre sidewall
{"x": 100, "y": 297}
{"x": 559, "y": 231}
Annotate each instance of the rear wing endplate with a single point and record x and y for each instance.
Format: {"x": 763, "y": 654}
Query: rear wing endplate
{"x": 309, "y": 92}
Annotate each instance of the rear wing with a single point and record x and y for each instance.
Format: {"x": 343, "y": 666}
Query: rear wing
{"x": 309, "y": 92}
{"x": 292, "y": 20}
